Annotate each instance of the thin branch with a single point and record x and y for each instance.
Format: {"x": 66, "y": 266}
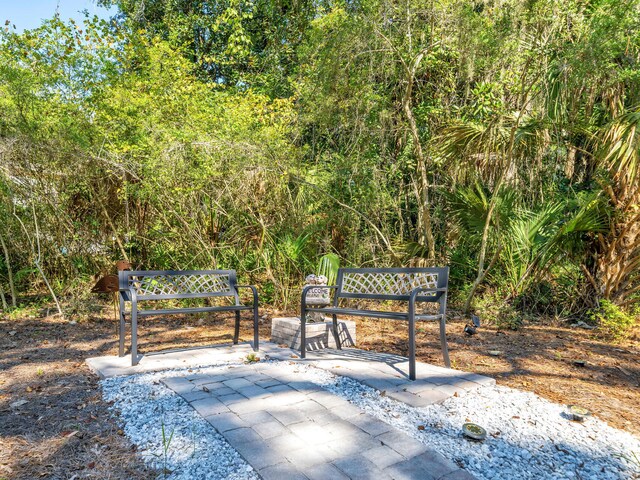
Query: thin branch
{"x": 358, "y": 213}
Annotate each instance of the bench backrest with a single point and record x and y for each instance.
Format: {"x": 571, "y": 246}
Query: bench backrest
{"x": 390, "y": 283}
{"x": 172, "y": 284}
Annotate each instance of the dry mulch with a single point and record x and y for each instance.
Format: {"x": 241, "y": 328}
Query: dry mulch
{"x": 64, "y": 430}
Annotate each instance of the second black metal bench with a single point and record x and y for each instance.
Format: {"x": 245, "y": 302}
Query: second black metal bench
{"x": 410, "y": 285}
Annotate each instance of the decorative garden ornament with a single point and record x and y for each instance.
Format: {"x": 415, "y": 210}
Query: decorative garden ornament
{"x": 318, "y": 297}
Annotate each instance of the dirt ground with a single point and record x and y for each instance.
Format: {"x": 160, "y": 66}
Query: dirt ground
{"x": 54, "y": 425}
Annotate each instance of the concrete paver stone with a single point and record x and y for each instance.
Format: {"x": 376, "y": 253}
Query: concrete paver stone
{"x": 209, "y": 406}
{"x": 383, "y": 456}
{"x": 357, "y": 467}
{"x": 270, "y": 429}
{"x": 325, "y": 471}
{"x": 282, "y": 471}
{"x": 226, "y": 421}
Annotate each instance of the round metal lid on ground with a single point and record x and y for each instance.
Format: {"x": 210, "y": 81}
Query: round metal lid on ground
{"x": 578, "y": 413}
{"x": 474, "y": 432}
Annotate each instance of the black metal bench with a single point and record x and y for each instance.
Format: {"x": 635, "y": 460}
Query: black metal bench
{"x": 411, "y": 285}
{"x": 140, "y": 286}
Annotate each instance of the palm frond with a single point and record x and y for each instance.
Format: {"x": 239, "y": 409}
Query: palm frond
{"x": 328, "y": 266}
{"x": 470, "y": 207}
{"x": 621, "y": 146}
{"x": 585, "y": 215}
{"x": 529, "y": 234}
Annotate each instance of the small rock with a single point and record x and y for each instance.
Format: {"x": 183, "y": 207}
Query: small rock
{"x": 581, "y": 324}
{"x": 18, "y": 403}
{"x": 495, "y": 353}
{"x": 12, "y": 333}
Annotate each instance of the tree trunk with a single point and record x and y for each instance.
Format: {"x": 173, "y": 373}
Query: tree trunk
{"x": 12, "y": 288}
{"x": 39, "y": 259}
{"x": 618, "y": 260}
{"x": 481, "y": 257}
{"x": 4, "y": 300}
{"x": 424, "y": 212}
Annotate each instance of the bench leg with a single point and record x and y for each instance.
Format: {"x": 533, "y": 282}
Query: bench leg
{"x": 256, "y": 328}
{"x": 443, "y": 332}
{"x": 134, "y": 334}
{"x": 122, "y": 329}
{"x": 336, "y": 335}
{"x": 303, "y": 333}
{"x": 236, "y": 330}
{"x": 412, "y": 344}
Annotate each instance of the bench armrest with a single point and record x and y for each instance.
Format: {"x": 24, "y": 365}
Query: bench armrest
{"x": 416, "y": 291}
{"x": 254, "y": 290}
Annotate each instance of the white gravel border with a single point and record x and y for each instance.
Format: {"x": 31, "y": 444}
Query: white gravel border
{"x": 196, "y": 450}
{"x": 529, "y": 437}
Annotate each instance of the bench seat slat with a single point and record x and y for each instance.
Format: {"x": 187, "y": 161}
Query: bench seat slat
{"x": 373, "y": 313}
{"x": 172, "y": 311}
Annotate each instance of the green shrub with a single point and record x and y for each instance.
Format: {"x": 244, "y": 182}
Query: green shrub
{"x": 614, "y": 322}
{"x": 492, "y": 309}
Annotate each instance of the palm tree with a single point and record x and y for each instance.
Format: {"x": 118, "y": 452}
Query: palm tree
{"x": 614, "y": 273}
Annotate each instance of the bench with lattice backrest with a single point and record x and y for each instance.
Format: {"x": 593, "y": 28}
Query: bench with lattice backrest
{"x": 142, "y": 286}
{"x": 409, "y": 285}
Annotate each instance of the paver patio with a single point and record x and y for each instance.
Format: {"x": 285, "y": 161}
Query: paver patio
{"x": 286, "y": 427}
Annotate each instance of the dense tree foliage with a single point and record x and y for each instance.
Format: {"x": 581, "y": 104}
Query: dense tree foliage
{"x": 500, "y": 137}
